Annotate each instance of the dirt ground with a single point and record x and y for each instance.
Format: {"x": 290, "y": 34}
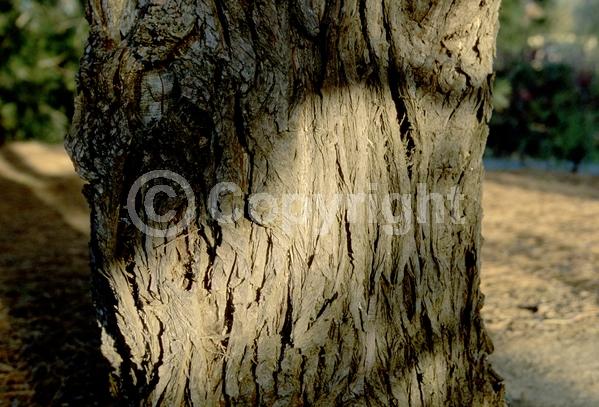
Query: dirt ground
{"x": 540, "y": 277}
{"x": 541, "y": 281}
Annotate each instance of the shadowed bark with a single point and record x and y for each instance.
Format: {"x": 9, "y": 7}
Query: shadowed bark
{"x": 302, "y": 97}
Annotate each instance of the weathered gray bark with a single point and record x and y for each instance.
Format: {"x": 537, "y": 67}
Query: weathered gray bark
{"x": 304, "y": 97}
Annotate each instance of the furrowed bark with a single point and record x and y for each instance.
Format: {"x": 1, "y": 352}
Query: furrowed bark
{"x": 300, "y": 97}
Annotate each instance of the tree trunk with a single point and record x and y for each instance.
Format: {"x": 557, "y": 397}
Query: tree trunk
{"x": 339, "y": 102}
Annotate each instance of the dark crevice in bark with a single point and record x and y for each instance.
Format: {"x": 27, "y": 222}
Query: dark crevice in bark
{"x": 466, "y": 317}
{"x": 480, "y": 101}
{"x": 409, "y": 365}
{"x": 373, "y": 63}
{"x": 130, "y": 270}
{"x": 249, "y": 19}
{"x": 419, "y": 380}
{"x": 431, "y": 244}
{"x": 117, "y": 85}
{"x": 222, "y": 18}
{"x": 396, "y": 86}
{"x": 326, "y": 304}
{"x": 348, "y": 239}
{"x": 320, "y": 371}
{"x": 287, "y": 328}
{"x": 229, "y": 313}
{"x": 269, "y": 247}
{"x": 450, "y": 397}
{"x": 393, "y": 277}
{"x": 207, "y": 282}
{"x": 392, "y": 401}
{"x": 323, "y": 41}
{"x": 254, "y": 365}
{"x": 155, "y": 375}
{"x": 211, "y": 251}
{"x": 310, "y": 261}
{"x": 188, "y": 277}
{"x": 302, "y": 375}
{"x": 429, "y": 334}
{"x": 160, "y": 400}
{"x": 313, "y": 253}
{"x": 466, "y": 75}
{"x": 339, "y": 169}
{"x": 187, "y": 397}
{"x": 242, "y": 137}
{"x": 285, "y": 334}
{"x": 409, "y": 291}
{"x": 373, "y": 266}
{"x": 405, "y": 127}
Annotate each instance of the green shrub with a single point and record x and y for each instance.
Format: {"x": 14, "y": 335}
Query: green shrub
{"x": 40, "y": 44}
{"x": 546, "y": 112}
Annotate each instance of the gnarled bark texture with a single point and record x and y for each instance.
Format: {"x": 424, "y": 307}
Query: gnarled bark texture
{"x": 305, "y": 97}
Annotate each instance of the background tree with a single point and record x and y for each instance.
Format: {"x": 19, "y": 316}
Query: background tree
{"x": 289, "y": 97}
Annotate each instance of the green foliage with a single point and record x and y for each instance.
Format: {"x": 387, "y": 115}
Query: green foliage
{"x": 586, "y": 16}
{"x": 519, "y": 19}
{"x": 545, "y": 108}
{"x": 40, "y": 44}
{"x": 575, "y": 137}
{"x": 546, "y": 112}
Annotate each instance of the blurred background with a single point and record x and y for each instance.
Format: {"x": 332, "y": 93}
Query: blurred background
{"x": 547, "y": 88}
{"x": 541, "y": 203}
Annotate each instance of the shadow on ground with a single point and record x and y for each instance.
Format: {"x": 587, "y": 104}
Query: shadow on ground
{"x": 49, "y": 341}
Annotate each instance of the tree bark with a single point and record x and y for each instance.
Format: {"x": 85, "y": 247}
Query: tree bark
{"x": 300, "y": 97}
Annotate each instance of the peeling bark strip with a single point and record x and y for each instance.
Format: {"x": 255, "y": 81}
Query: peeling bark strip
{"x": 307, "y": 97}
